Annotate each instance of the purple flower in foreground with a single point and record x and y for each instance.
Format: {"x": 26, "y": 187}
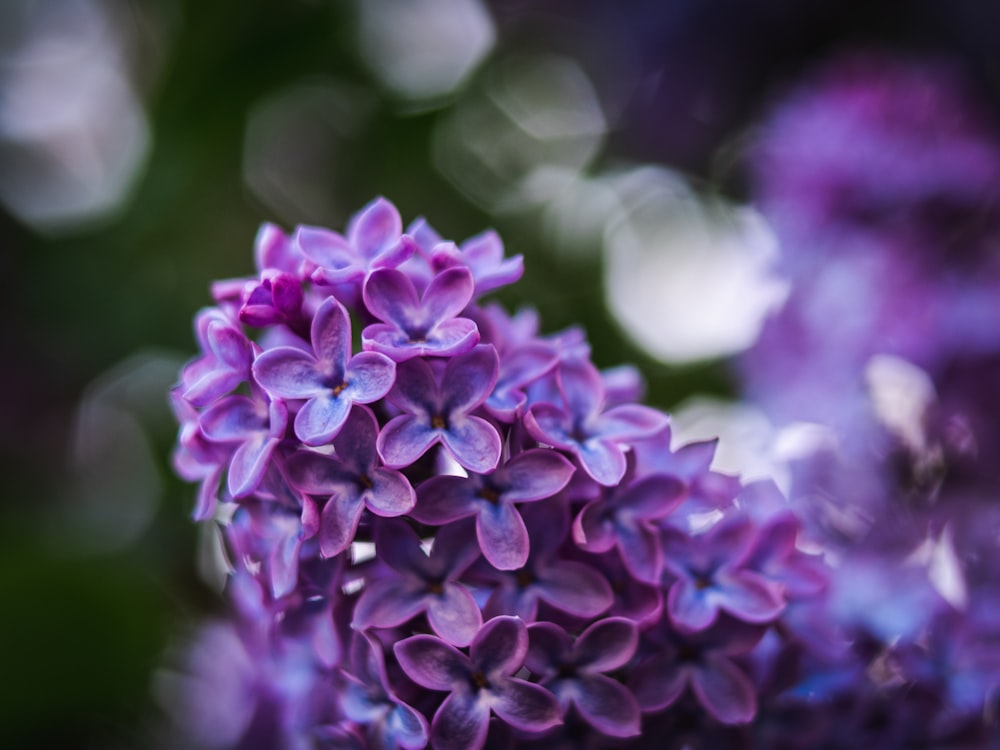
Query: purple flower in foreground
{"x": 224, "y": 364}
{"x": 478, "y": 683}
{"x": 353, "y": 479}
{"x": 441, "y": 413}
{"x": 703, "y": 662}
{"x": 594, "y": 436}
{"x": 422, "y": 583}
{"x": 330, "y": 381}
{"x": 530, "y": 476}
{"x": 711, "y": 577}
{"x": 573, "y": 670}
{"x": 368, "y": 699}
{"x": 374, "y": 240}
{"x": 415, "y": 326}
{"x": 257, "y": 425}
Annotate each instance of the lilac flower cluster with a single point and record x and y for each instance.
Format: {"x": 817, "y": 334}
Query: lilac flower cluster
{"x": 881, "y": 178}
{"x": 445, "y": 528}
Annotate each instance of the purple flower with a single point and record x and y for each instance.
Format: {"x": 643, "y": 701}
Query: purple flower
{"x": 529, "y": 477}
{"x": 573, "y": 670}
{"x": 478, "y": 683}
{"x": 331, "y": 380}
{"x": 425, "y": 325}
{"x": 257, "y": 425}
{"x": 276, "y": 298}
{"x": 712, "y": 577}
{"x": 369, "y": 700}
{"x": 224, "y": 364}
{"x": 421, "y": 583}
{"x": 373, "y": 241}
{"x": 702, "y": 662}
{"x": 594, "y": 436}
{"x": 483, "y": 255}
{"x": 353, "y": 479}
{"x": 442, "y": 413}
{"x": 622, "y": 517}
{"x": 568, "y": 585}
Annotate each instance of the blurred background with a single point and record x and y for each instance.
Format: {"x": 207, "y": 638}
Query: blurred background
{"x": 143, "y": 142}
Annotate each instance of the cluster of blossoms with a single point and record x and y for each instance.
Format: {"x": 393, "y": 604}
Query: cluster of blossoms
{"x": 445, "y": 528}
{"x": 882, "y": 180}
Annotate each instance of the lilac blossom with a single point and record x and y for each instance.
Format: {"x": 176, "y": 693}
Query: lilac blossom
{"x": 353, "y": 479}
{"x": 483, "y": 255}
{"x": 528, "y": 477}
{"x": 574, "y": 670}
{"x": 224, "y": 364}
{"x": 440, "y": 412}
{"x": 421, "y": 583}
{"x": 330, "y": 381}
{"x": 424, "y": 325}
{"x": 478, "y": 684}
{"x": 581, "y": 426}
{"x": 711, "y": 577}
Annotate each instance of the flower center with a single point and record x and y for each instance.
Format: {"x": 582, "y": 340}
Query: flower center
{"x": 438, "y": 422}
{"x": 479, "y": 680}
{"x": 490, "y": 495}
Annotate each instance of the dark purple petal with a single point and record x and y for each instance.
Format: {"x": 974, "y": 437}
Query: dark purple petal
{"x": 249, "y": 464}
{"x": 547, "y": 423}
{"x": 448, "y": 294}
{"x": 723, "y": 690}
{"x": 232, "y": 418}
{"x": 444, "y": 499}
{"x": 659, "y": 681}
{"x": 468, "y": 379}
{"x": 390, "y": 296}
{"x": 405, "y": 439}
{"x": 355, "y": 443}
{"x": 502, "y": 536}
{"x": 535, "y": 475}
{"x": 461, "y": 723}
{"x": 319, "y": 474}
{"x": 339, "y": 523}
{"x": 607, "y": 705}
{"x": 391, "y": 494}
{"x": 525, "y": 706}
{"x": 455, "y": 549}
{"x": 369, "y": 377}
{"x": 582, "y": 389}
{"x": 575, "y": 588}
{"x": 454, "y": 615}
{"x": 398, "y": 546}
{"x": 594, "y": 528}
{"x": 331, "y": 337}
{"x": 640, "y": 549}
{"x": 432, "y": 663}
{"x": 286, "y": 372}
{"x": 607, "y": 644}
{"x": 548, "y": 648}
{"x": 321, "y": 418}
{"x": 386, "y": 603}
{"x": 652, "y": 497}
{"x": 748, "y": 596}
{"x": 500, "y": 646}
{"x": 407, "y": 727}
{"x": 473, "y": 442}
{"x": 730, "y": 541}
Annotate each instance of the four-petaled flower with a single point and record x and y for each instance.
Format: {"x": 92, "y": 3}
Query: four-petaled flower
{"x": 478, "y": 683}
{"x": 330, "y": 381}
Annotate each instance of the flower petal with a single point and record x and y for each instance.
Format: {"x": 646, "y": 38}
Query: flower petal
{"x": 724, "y": 690}
{"x": 548, "y": 648}
{"x": 331, "y": 337}
{"x": 454, "y": 615}
{"x": 500, "y": 646}
{"x": 659, "y": 681}
{"x": 460, "y": 723}
{"x": 390, "y": 296}
{"x": 469, "y": 378}
{"x": 607, "y": 705}
{"x": 287, "y": 372}
{"x": 575, "y": 588}
{"x": 603, "y": 461}
{"x": 448, "y": 294}
{"x": 449, "y": 338}
{"x": 232, "y": 418}
{"x": 369, "y": 377}
{"x": 690, "y": 608}
{"x": 474, "y": 443}
{"x": 502, "y": 536}
{"x": 444, "y": 499}
{"x": 405, "y": 439}
{"x": 432, "y": 663}
{"x": 535, "y": 475}
{"x": 630, "y": 422}
{"x": 355, "y": 443}
{"x": 525, "y": 706}
{"x": 249, "y": 464}
{"x": 640, "y": 549}
{"x": 386, "y": 603}
{"x": 391, "y": 493}
{"x": 374, "y": 227}
{"x": 321, "y": 418}
{"x": 607, "y": 644}
{"x": 339, "y": 522}
{"x": 748, "y": 596}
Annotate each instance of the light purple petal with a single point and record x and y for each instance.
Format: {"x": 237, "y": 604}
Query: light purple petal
{"x": 432, "y": 663}
{"x": 461, "y": 723}
{"x": 319, "y": 474}
{"x": 386, "y": 603}
{"x": 535, "y": 475}
{"x": 473, "y": 442}
{"x": 448, "y": 294}
{"x": 468, "y": 379}
{"x": 391, "y": 493}
{"x": 454, "y": 615}
{"x": 287, "y": 372}
{"x": 390, "y": 296}
{"x": 369, "y": 377}
{"x": 525, "y": 706}
{"x": 500, "y": 646}
{"x": 690, "y": 608}
{"x": 450, "y": 338}
{"x": 249, "y": 464}
{"x": 339, "y": 523}
{"x": 502, "y": 536}
{"x": 607, "y": 644}
{"x": 321, "y": 418}
{"x": 576, "y": 588}
{"x": 230, "y": 346}
{"x": 582, "y": 389}
{"x": 211, "y": 385}
{"x": 724, "y": 691}
{"x": 404, "y": 439}
{"x": 607, "y": 705}
{"x": 415, "y": 390}
{"x": 630, "y": 421}
{"x": 603, "y": 461}
{"x": 748, "y": 596}
{"x": 331, "y": 337}
{"x": 408, "y": 727}
{"x": 325, "y": 248}
{"x": 231, "y": 419}
{"x": 594, "y": 529}
{"x": 444, "y": 499}
{"x": 547, "y": 423}
{"x": 652, "y": 497}
{"x": 396, "y": 253}
{"x": 730, "y": 541}
{"x": 374, "y": 227}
